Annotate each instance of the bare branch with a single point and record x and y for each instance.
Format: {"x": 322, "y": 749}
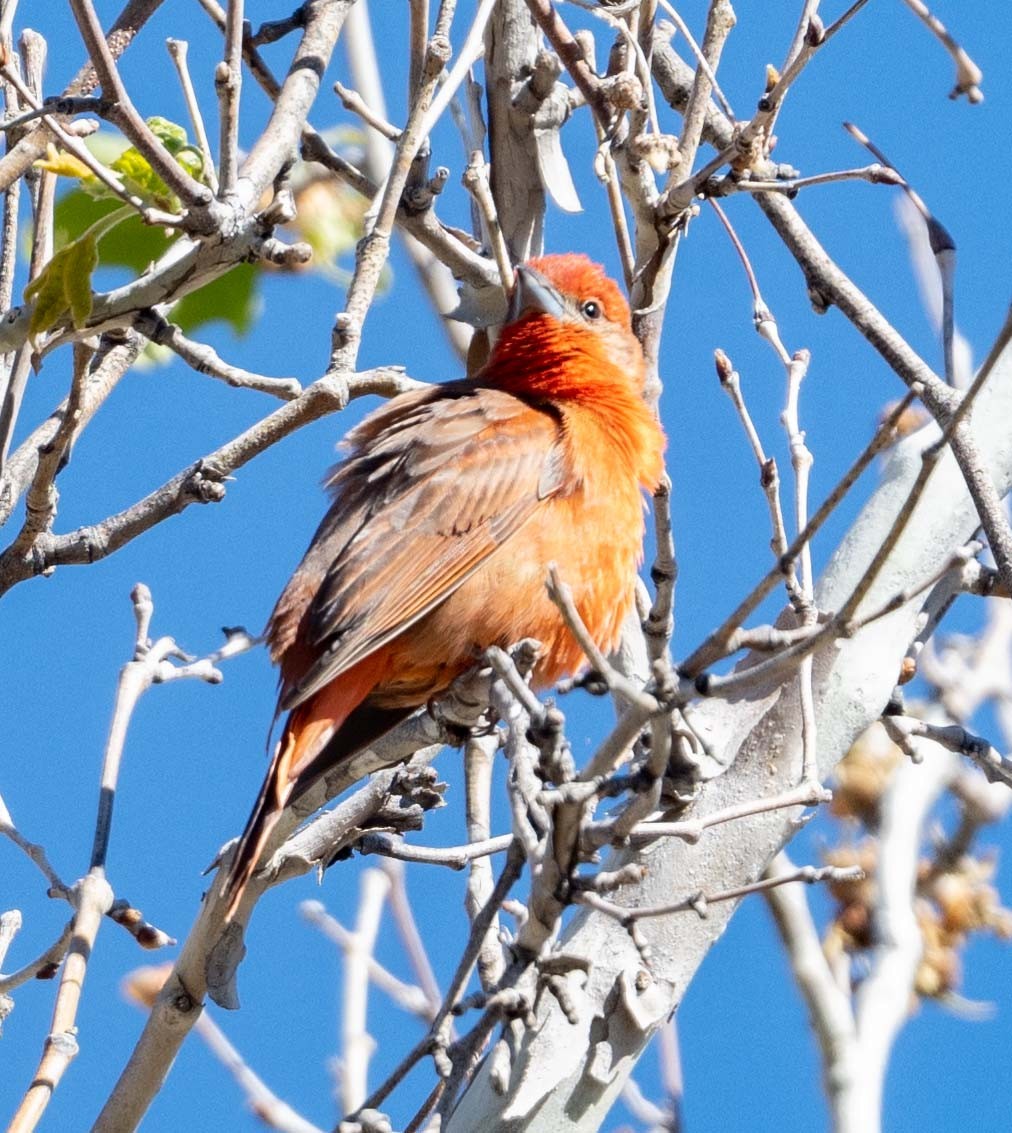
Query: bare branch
{"x": 125, "y": 114}
{"x": 268, "y": 1107}
{"x": 829, "y": 1007}
{"x": 93, "y": 898}
{"x": 479, "y": 756}
{"x": 202, "y": 482}
{"x": 373, "y": 249}
{"x": 954, "y": 738}
{"x": 357, "y": 1045}
{"x": 205, "y": 360}
{"x": 968, "y": 74}
{"x": 407, "y": 996}
{"x": 133, "y": 17}
{"x": 454, "y": 857}
{"x": 699, "y": 903}
{"x": 110, "y": 363}
{"x": 720, "y": 19}
{"x": 73, "y": 145}
{"x": 882, "y": 1001}
{"x": 178, "y": 49}
{"x": 44, "y": 965}
{"x": 228, "y": 84}
{"x": 476, "y": 182}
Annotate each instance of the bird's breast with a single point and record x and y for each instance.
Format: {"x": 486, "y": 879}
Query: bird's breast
{"x": 594, "y": 539}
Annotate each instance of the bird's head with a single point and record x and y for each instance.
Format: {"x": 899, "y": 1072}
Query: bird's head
{"x": 567, "y": 329}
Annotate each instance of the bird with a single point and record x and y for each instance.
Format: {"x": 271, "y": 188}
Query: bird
{"x": 447, "y": 512}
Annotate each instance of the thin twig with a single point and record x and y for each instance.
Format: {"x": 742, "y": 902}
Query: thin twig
{"x": 712, "y": 648}
{"x": 701, "y": 61}
{"x": 876, "y": 174}
{"x": 943, "y": 248}
{"x": 271, "y": 1110}
{"x": 64, "y": 107}
{"x": 373, "y": 249}
{"x": 453, "y": 857}
{"x": 189, "y": 191}
{"x": 407, "y": 996}
{"x": 968, "y": 74}
{"x": 699, "y": 902}
{"x": 562, "y": 595}
{"x": 418, "y": 36}
{"x": 829, "y": 1006}
{"x": 178, "y": 49}
{"x": 470, "y": 51}
{"x": 659, "y": 625}
{"x": 572, "y": 55}
{"x": 228, "y": 84}
{"x": 479, "y": 762}
{"x": 11, "y": 194}
{"x": 411, "y": 938}
{"x": 691, "y": 830}
{"x": 475, "y": 180}
{"x": 128, "y": 23}
{"x": 356, "y": 1043}
{"x": 720, "y": 20}
{"x": 202, "y": 482}
{"x": 354, "y": 102}
{"x": 112, "y": 182}
{"x": 479, "y": 927}
{"x": 93, "y": 898}
{"x": 111, "y": 362}
{"x": 46, "y": 964}
{"x": 459, "y": 257}
{"x": 10, "y": 926}
{"x": 769, "y": 477}
{"x": 954, "y": 738}
{"x": 205, "y": 360}
{"x": 35, "y": 853}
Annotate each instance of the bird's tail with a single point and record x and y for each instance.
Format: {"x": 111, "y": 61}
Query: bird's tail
{"x": 274, "y": 794}
{"x": 329, "y": 728}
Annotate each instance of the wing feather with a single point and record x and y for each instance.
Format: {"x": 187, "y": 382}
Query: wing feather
{"x": 436, "y": 482}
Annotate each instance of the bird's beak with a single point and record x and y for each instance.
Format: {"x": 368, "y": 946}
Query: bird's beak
{"x": 533, "y": 294}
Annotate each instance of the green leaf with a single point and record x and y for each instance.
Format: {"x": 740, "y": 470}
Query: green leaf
{"x": 232, "y": 299}
{"x": 81, "y": 261}
{"x": 140, "y": 179}
{"x": 46, "y": 290}
{"x": 131, "y": 244}
{"x": 170, "y": 134}
{"x": 64, "y": 286}
{"x": 133, "y": 167}
{"x": 330, "y": 218}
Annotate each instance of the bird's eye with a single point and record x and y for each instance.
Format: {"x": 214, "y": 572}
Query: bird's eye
{"x": 591, "y": 309}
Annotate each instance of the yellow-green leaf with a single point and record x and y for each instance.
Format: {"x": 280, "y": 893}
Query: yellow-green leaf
{"x": 46, "y": 290}
{"x": 63, "y": 164}
{"x": 82, "y": 259}
{"x": 64, "y": 286}
{"x": 140, "y": 179}
{"x": 171, "y": 135}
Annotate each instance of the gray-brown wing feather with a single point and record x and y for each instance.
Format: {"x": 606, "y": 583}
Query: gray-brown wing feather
{"x": 436, "y": 482}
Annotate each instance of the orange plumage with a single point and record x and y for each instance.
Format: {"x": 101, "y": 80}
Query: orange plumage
{"x": 446, "y": 515}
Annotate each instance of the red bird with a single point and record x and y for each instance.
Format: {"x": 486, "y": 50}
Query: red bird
{"x": 452, "y": 504}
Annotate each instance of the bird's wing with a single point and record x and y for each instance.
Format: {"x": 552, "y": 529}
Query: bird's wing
{"x": 433, "y": 487}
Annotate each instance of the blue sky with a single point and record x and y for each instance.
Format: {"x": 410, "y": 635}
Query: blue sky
{"x": 195, "y": 753}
